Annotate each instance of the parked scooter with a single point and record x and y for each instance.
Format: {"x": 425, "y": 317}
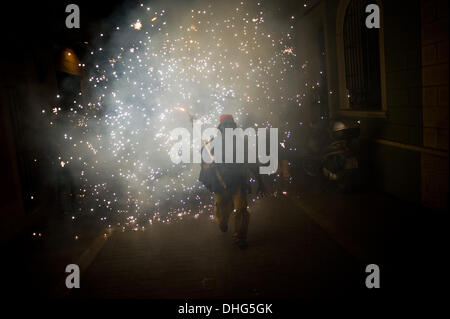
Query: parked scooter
{"x": 333, "y": 152}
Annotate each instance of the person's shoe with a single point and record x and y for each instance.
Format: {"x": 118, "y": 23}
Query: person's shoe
{"x": 223, "y": 228}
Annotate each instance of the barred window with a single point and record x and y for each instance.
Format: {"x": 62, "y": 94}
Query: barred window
{"x": 362, "y": 58}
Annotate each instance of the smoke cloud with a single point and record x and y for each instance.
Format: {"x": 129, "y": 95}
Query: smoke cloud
{"x": 160, "y": 67}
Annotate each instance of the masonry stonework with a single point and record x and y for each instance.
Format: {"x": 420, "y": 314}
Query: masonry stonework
{"x": 435, "y": 102}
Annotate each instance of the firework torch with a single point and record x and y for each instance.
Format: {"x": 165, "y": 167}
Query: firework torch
{"x": 205, "y": 145}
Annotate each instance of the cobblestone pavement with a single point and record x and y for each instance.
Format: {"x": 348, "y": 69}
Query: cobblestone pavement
{"x": 289, "y": 256}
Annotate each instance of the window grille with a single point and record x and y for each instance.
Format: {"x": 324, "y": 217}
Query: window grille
{"x": 362, "y": 58}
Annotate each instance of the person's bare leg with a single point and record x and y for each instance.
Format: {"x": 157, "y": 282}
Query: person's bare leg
{"x": 241, "y": 218}
{"x": 222, "y": 210}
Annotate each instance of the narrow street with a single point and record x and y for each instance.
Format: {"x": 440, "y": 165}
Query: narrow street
{"x": 306, "y": 244}
{"x": 289, "y": 256}
{"x": 111, "y": 113}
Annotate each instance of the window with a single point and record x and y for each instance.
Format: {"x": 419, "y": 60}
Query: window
{"x": 361, "y": 61}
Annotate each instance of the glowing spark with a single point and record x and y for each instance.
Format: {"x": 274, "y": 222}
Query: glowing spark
{"x": 137, "y": 25}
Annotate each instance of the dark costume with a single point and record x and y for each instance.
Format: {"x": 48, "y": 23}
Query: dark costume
{"x": 230, "y": 184}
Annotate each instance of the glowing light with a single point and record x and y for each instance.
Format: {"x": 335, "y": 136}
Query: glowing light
{"x": 137, "y": 25}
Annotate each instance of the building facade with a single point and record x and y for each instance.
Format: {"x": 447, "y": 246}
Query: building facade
{"x": 394, "y": 80}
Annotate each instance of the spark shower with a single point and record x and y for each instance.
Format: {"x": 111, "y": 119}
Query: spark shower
{"x": 207, "y": 57}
